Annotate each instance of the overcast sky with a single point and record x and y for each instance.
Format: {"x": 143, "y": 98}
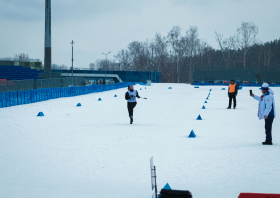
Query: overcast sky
{"x": 110, "y": 25}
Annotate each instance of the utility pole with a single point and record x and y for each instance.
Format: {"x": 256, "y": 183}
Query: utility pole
{"x": 152, "y": 63}
{"x": 72, "y": 43}
{"x": 106, "y": 64}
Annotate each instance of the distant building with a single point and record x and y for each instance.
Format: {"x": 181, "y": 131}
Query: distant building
{"x": 32, "y": 64}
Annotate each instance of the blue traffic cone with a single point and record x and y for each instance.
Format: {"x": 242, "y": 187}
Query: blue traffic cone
{"x": 41, "y": 114}
{"x": 170, "y": 88}
{"x": 99, "y": 99}
{"x": 199, "y": 117}
{"x": 205, "y": 102}
{"x": 115, "y": 96}
{"x": 167, "y": 187}
{"x": 192, "y": 134}
{"x": 203, "y": 107}
{"x": 79, "y": 105}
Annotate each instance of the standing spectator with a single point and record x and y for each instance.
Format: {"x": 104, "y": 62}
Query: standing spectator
{"x": 238, "y": 84}
{"x": 266, "y": 111}
{"x": 232, "y": 93}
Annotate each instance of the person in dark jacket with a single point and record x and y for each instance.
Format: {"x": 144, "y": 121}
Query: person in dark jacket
{"x": 238, "y": 84}
{"x": 232, "y": 93}
{"x": 131, "y": 96}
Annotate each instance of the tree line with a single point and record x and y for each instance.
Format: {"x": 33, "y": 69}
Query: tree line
{"x": 179, "y": 53}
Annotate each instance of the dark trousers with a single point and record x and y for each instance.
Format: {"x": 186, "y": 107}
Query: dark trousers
{"x": 268, "y": 128}
{"x": 130, "y": 107}
{"x": 232, "y": 96}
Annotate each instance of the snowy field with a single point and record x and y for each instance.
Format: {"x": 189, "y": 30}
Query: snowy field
{"x": 93, "y": 151}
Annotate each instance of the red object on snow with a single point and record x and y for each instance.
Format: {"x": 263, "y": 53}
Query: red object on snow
{"x": 258, "y": 195}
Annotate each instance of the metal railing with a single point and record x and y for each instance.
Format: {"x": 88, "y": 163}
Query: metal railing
{"x": 21, "y": 85}
{"x": 16, "y": 85}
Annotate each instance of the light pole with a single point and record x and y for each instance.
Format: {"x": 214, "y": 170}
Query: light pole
{"x": 106, "y": 64}
{"x": 151, "y": 75}
{"x": 72, "y": 43}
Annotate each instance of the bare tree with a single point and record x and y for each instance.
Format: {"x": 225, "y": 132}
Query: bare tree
{"x": 246, "y": 38}
{"x": 91, "y": 66}
{"x": 201, "y": 50}
{"x": 220, "y": 41}
{"x": 231, "y": 48}
{"x": 101, "y": 64}
{"x": 193, "y": 42}
{"x": 267, "y": 55}
{"x": 21, "y": 57}
{"x": 175, "y": 40}
{"x": 139, "y": 52}
{"x": 55, "y": 66}
{"x": 228, "y": 47}
{"x": 63, "y": 67}
{"x": 159, "y": 45}
{"x": 124, "y": 58}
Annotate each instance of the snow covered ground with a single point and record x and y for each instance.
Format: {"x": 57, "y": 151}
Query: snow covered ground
{"x": 93, "y": 151}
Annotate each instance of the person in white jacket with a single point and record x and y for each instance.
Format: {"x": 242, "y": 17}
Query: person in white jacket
{"x": 266, "y": 110}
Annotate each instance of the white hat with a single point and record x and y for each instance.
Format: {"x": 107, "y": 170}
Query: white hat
{"x": 265, "y": 86}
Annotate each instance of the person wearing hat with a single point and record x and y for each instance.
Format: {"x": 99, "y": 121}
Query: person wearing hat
{"x": 238, "y": 84}
{"x": 232, "y": 93}
{"x": 266, "y": 110}
{"x": 131, "y": 96}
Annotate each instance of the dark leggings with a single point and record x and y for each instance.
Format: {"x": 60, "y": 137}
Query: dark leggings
{"x": 268, "y": 128}
{"x": 130, "y": 107}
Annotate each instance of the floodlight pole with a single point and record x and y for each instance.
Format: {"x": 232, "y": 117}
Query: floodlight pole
{"x": 155, "y": 181}
{"x": 72, "y": 43}
{"x": 151, "y": 76}
{"x": 106, "y": 64}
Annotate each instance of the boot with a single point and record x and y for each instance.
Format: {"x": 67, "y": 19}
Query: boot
{"x": 229, "y": 108}
{"x": 267, "y": 143}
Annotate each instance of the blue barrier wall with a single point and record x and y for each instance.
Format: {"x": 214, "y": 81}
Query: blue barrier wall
{"x": 13, "y": 98}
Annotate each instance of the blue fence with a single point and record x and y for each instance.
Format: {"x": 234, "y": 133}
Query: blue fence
{"x": 13, "y": 98}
